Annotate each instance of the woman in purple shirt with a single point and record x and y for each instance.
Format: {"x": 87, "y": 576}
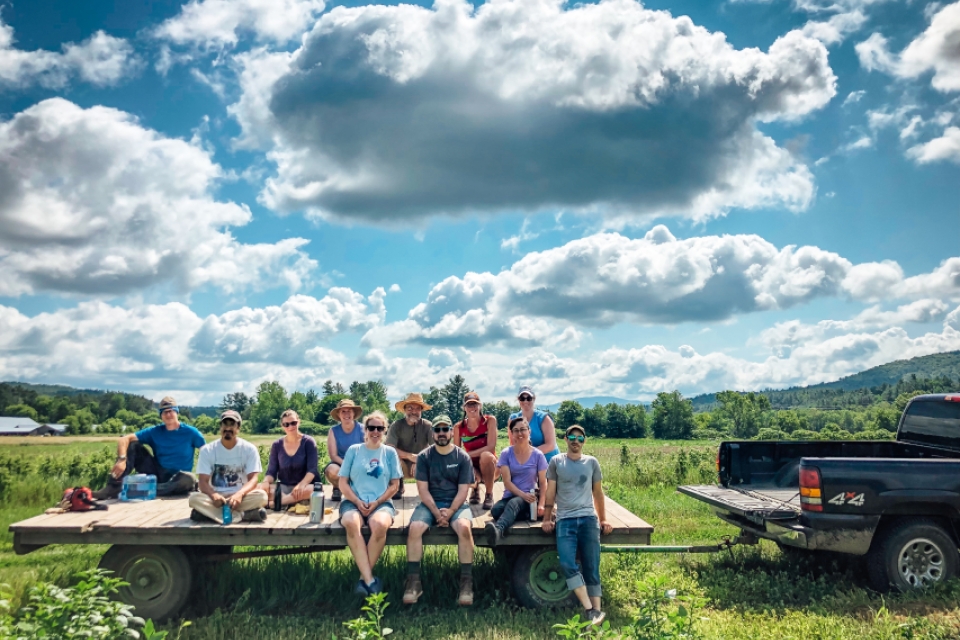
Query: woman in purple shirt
{"x": 292, "y": 465}
{"x": 522, "y": 467}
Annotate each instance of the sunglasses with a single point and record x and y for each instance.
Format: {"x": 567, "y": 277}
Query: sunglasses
{"x": 520, "y": 430}
{"x": 574, "y": 438}
{"x": 229, "y": 422}
{"x": 290, "y": 424}
{"x": 441, "y": 429}
{"x": 525, "y": 398}
{"x": 376, "y": 427}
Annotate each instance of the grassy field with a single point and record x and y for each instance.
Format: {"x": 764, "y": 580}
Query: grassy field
{"x": 754, "y": 592}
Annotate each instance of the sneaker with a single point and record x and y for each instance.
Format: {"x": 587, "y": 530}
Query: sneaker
{"x": 475, "y": 496}
{"x": 494, "y": 534}
{"x": 254, "y": 515}
{"x": 413, "y": 590}
{"x": 109, "y": 492}
{"x": 337, "y": 496}
{"x": 375, "y": 587}
{"x": 361, "y": 589}
{"x": 466, "y": 591}
{"x": 196, "y": 516}
{"x": 595, "y": 616}
{"x": 399, "y": 494}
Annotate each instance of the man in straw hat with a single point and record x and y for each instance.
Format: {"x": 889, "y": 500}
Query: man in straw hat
{"x": 341, "y": 437}
{"x": 171, "y": 459}
{"x": 410, "y": 435}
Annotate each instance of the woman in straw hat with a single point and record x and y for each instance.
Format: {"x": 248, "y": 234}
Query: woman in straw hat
{"x": 341, "y": 437}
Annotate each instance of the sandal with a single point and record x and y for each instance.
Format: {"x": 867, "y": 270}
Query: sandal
{"x": 475, "y": 496}
{"x": 488, "y": 502}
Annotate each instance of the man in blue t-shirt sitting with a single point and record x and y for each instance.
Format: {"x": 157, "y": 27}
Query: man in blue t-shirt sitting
{"x": 173, "y": 444}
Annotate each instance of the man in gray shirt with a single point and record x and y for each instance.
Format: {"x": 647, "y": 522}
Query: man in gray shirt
{"x": 573, "y": 482}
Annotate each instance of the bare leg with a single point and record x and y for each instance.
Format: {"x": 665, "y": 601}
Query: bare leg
{"x": 352, "y": 522}
{"x": 595, "y": 600}
{"x": 488, "y": 470}
{"x": 331, "y": 472}
{"x": 464, "y": 540}
{"x": 581, "y": 593}
{"x": 415, "y": 541}
{"x": 379, "y": 524}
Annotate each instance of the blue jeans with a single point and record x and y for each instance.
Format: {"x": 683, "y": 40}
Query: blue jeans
{"x": 580, "y": 535}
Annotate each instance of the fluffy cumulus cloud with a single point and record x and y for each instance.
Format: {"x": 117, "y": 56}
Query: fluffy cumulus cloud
{"x": 219, "y": 23}
{"x": 387, "y": 113}
{"x": 607, "y": 278}
{"x": 101, "y": 59}
{"x": 152, "y": 346}
{"x": 92, "y": 203}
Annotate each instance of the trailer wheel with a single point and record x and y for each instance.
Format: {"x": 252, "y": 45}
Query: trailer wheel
{"x": 913, "y": 554}
{"x": 159, "y": 578}
{"x": 538, "y": 581}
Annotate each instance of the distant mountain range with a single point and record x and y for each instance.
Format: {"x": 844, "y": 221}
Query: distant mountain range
{"x": 589, "y": 402}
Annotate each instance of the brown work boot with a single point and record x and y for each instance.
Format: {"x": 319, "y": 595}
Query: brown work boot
{"x": 466, "y": 591}
{"x": 413, "y": 590}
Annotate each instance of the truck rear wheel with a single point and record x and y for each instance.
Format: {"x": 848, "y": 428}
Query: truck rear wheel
{"x": 159, "y": 578}
{"x": 913, "y": 554}
{"x": 538, "y": 581}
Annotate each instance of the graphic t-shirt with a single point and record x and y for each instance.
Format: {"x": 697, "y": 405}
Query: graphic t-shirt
{"x": 228, "y": 468}
{"x": 575, "y": 480}
{"x": 523, "y": 476}
{"x": 370, "y": 470}
{"x": 173, "y": 449}
{"x": 444, "y": 473}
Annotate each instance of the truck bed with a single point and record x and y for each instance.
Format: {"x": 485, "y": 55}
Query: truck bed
{"x": 756, "y": 505}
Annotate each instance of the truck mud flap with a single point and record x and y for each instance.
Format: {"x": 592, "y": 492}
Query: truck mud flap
{"x": 749, "y": 505}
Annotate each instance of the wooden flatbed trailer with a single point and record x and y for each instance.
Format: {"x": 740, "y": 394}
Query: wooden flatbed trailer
{"x": 156, "y": 546}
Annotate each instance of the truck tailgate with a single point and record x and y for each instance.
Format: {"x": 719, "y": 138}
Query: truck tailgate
{"x": 756, "y": 506}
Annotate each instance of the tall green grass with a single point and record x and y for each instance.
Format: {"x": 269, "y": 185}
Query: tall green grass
{"x": 753, "y": 593}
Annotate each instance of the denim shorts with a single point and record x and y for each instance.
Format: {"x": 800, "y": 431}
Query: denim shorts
{"x": 346, "y": 507}
{"x": 424, "y": 515}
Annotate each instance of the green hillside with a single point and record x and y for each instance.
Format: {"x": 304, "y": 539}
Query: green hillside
{"x": 933, "y": 366}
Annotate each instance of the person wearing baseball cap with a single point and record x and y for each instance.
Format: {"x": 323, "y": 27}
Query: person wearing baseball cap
{"x": 229, "y": 469}
{"x": 573, "y": 484}
{"x": 543, "y": 433}
{"x": 169, "y": 456}
{"x": 410, "y": 435}
{"x": 477, "y": 434}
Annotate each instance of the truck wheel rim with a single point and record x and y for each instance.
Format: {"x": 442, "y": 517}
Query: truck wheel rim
{"x": 149, "y": 579}
{"x": 546, "y": 577}
{"x": 920, "y": 562}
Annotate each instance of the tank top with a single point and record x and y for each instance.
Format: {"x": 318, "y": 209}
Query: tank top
{"x": 344, "y": 440}
{"x": 536, "y": 430}
{"x": 475, "y": 440}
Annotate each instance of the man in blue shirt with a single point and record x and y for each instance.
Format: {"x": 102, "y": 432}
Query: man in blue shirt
{"x": 173, "y": 444}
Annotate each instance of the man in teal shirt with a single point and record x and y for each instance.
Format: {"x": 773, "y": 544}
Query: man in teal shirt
{"x": 171, "y": 461}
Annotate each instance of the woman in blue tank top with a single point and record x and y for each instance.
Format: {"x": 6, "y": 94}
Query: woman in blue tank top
{"x": 543, "y": 433}
{"x": 340, "y": 438}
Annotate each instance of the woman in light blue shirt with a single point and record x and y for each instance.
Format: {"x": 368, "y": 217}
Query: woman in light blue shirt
{"x": 543, "y": 433}
{"x": 369, "y": 476}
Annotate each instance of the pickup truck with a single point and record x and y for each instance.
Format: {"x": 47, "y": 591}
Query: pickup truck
{"x": 895, "y": 502}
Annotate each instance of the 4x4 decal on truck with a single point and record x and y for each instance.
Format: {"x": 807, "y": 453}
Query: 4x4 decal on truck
{"x": 848, "y": 497}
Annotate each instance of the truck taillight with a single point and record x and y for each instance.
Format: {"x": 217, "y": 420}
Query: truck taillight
{"x": 718, "y": 461}
{"x": 810, "y": 489}
{"x": 952, "y": 398}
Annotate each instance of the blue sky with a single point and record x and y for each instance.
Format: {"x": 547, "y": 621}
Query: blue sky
{"x": 607, "y": 198}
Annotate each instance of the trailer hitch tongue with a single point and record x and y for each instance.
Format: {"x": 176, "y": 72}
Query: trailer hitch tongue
{"x": 725, "y": 544}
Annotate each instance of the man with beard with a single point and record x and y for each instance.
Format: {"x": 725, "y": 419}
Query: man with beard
{"x": 573, "y": 480}
{"x": 444, "y": 476}
{"x": 229, "y": 469}
{"x": 410, "y": 435}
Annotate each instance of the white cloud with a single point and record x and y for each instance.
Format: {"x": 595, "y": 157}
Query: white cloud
{"x": 946, "y": 147}
{"x": 101, "y": 60}
{"x": 93, "y": 203}
{"x": 216, "y": 24}
{"x": 835, "y": 29}
{"x": 854, "y": 97}
{"x": 607, "y": 278}
{"x": 661, "y": 112}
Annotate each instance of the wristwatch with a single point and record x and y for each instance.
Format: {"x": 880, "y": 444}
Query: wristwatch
{"x": 121, "y": 458}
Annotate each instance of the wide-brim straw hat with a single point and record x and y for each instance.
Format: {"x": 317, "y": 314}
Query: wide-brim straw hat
{"x": 413, "y": 398}
{"x": 346, "y": 403}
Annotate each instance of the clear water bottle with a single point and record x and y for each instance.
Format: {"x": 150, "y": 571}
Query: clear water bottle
{"x": 316, "y": 503}
{"x": 138, "y": 486}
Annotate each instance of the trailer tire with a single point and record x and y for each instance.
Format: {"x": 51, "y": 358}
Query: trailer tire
{"x": 912, "y": 554}
{"x": 159, "y": 578}
{"x": 537, "y": 579}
